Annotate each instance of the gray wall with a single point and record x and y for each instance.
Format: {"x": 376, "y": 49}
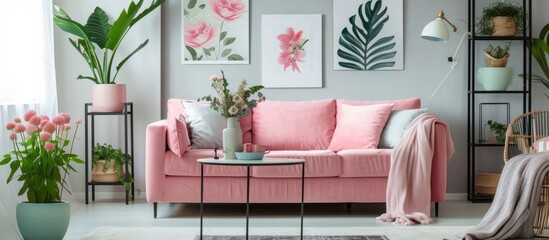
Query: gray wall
{"x": 425, "y": 65}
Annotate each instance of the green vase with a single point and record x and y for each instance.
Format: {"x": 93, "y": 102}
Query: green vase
{"x": 232, "y": 138}
{"x": 45, "y": 221}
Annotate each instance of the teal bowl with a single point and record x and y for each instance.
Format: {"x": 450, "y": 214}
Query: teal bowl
{"x": 249, "y": 155}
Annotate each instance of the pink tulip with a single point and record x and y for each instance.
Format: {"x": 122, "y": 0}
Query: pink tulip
{"x": 49, "y": 146}
{"x": 228, "y": 10}
{"x": 19, "y": 128}
{"x": 49, "y": 127}
{"x": 35, "y": 120}
{"x": 31, "y": 129}
{"x": 29, "y": 114}
{"x": 17, "y": 120}
{"x": 44, "y": 117}
{"x": 78, "y": 121}
{"x": 10, "y": 126}
{"x": 67, "y": 127}
{"x": 13, "y": 136}
{"x": 58, "y": 120}
{"x": 199, "y": 34}
{"x": 66, "y": 116}
{"x": 45, "y": 136}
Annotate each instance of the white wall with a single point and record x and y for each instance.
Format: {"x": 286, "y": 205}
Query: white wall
{"x": 425, "y": 65}
{"x": 141, "y": 74}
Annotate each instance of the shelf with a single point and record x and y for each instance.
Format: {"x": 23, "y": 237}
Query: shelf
{"x": 486, "y": 144}
{"x": 490, "y": 38}
{"x": 501, "y": 92}
{"x": 105, "y": 183}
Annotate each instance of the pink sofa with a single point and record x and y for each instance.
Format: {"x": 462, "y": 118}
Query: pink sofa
{"x": 345, "y": 176}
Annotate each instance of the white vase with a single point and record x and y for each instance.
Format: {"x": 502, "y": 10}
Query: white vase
{"x": 232, "y": 138}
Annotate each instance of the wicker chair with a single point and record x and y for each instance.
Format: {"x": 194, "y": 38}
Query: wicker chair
{"x": 521, "y": 133}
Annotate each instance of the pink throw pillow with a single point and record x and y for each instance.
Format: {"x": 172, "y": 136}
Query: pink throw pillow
{"x": 289, "y": 125}
{"x": 359, "y": 127}
{"x": 178, "y": 139}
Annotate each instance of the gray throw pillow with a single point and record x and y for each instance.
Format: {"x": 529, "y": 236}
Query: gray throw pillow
{"x": 396, "y": 125}
{"x": 206, "y": 125}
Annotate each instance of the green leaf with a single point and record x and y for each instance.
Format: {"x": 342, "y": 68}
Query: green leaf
{"x": 228, "y": 41}
{"x": 191, "y": 4}
{"x": 131, "y": 54}
{"x": 350, "y": 65}
{"x": 235, "y": 57}
{"x": 99, "y": 27}
{"x": 122, "y": 24}
{"x": 154, "y": 5}
{"x": 6, "y": 160}
{"x": 206, "y": 51}
{"x": 191, "y": 51}
{"x": 347, "y": 56}
{"x": 185, "y": 13}
{"x": 86, "y": 77}
{"x": 222, "y": 35}
{"x": 65, "y": 23}
{"x": 382, "y": 65}
{"x": 380, "y": 57}
{"x": 226, "y": 52}
{"x": 202, "y": 6}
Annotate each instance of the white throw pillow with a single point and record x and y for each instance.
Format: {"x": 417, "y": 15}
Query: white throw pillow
{"x": 206, "y": 125}
{"x": 396, "y": 125}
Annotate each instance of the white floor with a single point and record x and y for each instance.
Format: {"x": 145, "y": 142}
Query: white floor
{"x": 113, "y": 212}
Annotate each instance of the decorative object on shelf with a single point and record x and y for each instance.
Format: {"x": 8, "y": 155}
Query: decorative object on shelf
{"x": 380, "y": 23}
{"x": 496, "y": 56}
{"x": 249, "y": 155}
{"x": 437, "y": 31}
{"x": 498, "y": 130}
{"x": 231, "y": 106}
{"x": 215, "y": 31}
{"x": 495, "y": 78}
{"x": 487, "y": 183}
{"x": 42, "y": 158}
{"x": 108, "y": 165}
{"x": 498, "y": 111}
{"x": 501, "y": 18}
{"x": 99, "y": 35}
{"x": 291, "y": 51}
{"x": 539, "y": 48}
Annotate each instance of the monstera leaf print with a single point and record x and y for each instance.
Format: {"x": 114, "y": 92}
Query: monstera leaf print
{"x": 360, "y": 46}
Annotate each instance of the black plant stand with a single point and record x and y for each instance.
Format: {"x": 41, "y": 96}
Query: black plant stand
{"x": 128, "y": 117}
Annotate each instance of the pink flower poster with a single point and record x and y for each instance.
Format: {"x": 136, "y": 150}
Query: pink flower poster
{"x": 291, "y": 47}
{"x": 215, "y": 32}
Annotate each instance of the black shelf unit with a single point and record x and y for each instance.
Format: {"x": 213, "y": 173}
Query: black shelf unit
{"x": 474, "y": 146}
{"x": 127, "y": 113}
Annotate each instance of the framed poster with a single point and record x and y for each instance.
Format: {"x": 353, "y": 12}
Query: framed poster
{"x": 291, "y": 51}
{"x": 215, "y": 32}
{"x": 368, "y": 35}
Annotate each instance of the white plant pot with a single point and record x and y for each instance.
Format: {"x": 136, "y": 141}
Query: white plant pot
{"x": 495, "y": 78}
{"x": 108, "y": 97}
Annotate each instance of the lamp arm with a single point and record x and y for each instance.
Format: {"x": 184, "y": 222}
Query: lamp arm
{"x": 454, "y": 28}
{"x": 454, "y": 64}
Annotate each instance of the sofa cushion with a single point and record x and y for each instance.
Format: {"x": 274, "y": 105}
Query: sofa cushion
{"x": 302, "y": 125}
{"x": 359, "y": 127}
{"x": 188, "y": 166}
{"x": 206, "y": 125}
{"x": 399, "y": 104}
{"x": 396, "y": 125}
{"x": 365, "y": 162}
{"x": 177, "y": 134}
{"x": 318, "y": 163}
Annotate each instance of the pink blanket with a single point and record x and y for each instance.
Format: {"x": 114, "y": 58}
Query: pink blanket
{"x": 409, "y": 183}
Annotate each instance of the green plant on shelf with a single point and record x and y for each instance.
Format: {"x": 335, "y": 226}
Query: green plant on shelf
{"x": 113, "y": 159}
{"x": 497, "y": 52}
{"x": 512, "y": 10}
{"x": 498, "y": 130}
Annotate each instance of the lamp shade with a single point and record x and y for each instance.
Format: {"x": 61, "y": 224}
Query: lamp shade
{"x": 436, "y": 31}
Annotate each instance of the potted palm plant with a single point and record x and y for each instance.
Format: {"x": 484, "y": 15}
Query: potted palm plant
{"x": 501, "y": 18}
{"x": 41, "y": 160}
{"x": 108, "y": 165}
{"x": 98, "y": 42}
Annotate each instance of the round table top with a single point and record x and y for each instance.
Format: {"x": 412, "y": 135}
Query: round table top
{"x": 265, "y": 161}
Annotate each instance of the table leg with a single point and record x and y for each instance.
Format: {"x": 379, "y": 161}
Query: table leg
{"x": 302, "y": 195}
{"x": 201, "y": 196}
{"x": 247, "y": 198}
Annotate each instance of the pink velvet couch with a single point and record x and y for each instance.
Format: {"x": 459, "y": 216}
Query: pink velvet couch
{"x": 346, "y": 176}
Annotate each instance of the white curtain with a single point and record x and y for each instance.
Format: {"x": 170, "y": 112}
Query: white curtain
{"x": 27, "y": 81}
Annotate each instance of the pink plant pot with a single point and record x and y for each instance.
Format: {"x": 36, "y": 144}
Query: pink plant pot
{"x": 108, "y": 97}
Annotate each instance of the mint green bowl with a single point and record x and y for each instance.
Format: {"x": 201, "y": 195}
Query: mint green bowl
{"x": 249, "y": 155}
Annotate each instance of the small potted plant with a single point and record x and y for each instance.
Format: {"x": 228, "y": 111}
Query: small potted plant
{"x": 108, "y": 165}
{"x": 498, "y": 130}
{"x": 98, "y": 42}
{"x": 41, "y": 160}
{"x": 501, "y": 18}
{"x": 496, "y": 56}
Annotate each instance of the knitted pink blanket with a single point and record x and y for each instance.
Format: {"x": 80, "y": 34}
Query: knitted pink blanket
{"x": 409, "y": 183}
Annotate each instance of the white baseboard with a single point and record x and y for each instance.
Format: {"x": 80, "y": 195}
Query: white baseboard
{"x": 456, "y": 196}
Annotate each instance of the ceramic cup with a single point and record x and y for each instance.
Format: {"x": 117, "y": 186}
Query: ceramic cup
{"x": 247, "y": 147}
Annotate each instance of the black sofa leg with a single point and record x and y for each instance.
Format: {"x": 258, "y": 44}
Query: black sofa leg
{"x": 155, "y": 208}
{"x": 436, "y": 209}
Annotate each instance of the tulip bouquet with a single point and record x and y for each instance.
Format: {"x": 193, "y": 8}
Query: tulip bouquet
{"x": 40, "y": 153}
{"x": 233, "y": 104}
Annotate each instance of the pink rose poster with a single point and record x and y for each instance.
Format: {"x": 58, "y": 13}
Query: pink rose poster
{"x": 215, "y": 32}
{"x": 291, "y": 48}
